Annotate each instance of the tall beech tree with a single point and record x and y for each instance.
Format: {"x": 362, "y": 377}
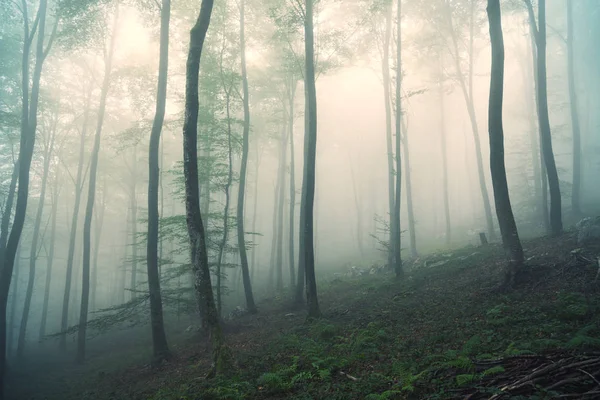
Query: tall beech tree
{"x": 89, "y": 210}
{"x": 250, "y": 305}
{"x": 506, "y": 219}
{"x": 574, "y": 109}
{"x": 29, "y": 104}
{"x": 159, "y": 338}
{"x": 307, "y": 251}
{"x": 196, "y": 232}
{"x": 539, "y": 33}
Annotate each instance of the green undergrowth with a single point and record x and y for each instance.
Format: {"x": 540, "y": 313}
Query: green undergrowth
{"x": 419, "y": 337}
{"x": 382, "y": 338}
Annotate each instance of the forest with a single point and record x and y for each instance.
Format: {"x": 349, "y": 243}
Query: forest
{"x": 303, "y": 199}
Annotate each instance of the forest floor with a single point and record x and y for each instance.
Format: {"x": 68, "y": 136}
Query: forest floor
{"x": 444, "y": 331}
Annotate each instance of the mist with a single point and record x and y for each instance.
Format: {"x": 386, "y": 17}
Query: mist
{"x": 120, "y": 236}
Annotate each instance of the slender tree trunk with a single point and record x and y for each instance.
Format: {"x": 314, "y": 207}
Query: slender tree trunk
{"x": 409, "y": 199}
{"x": 544, "y": 119}
{"x": 159, "y": 339}
{"x": 27, "y": 144}
{"x": 250, "y": 305}
{"x": 51, "y": 245}
{"x": 99, "y": 222}
{"x": 395, "y": 227}
{"x": 506, "y": 220}
{"x": 444, "y": 150}
{"x": 280, "y": 207}
{"x": 7, "y": 212}
{"x": 134, "y": 231}
{"x": 292, "y": 227}
{"x": 74, "y": 223}
{"x": 199, "y": 256}
{"x": 273, "y": 259}
{"x": 545, "y": 215}
{"x": 254, "y": 212}
{"x": 13, "y": 302}
{"x": 89, "y": 211}
{"x": 227, "y": 190}
{"x": 49, "y": 146}
{"x": 576, "y": 191}
{"x": 310, "y": 154}
{"x": 387, "y": 97}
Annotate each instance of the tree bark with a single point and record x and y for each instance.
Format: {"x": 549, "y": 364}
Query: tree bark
{"x": 51, "y": 245}
{"x": 160, "y": 346}
{"x": 409, "y": 199}
{"x": 310, "y": 153}
{"x": 387, "y": 97}
{"x": 89, "y": 211}
{"x": 576, "y": 191}
{"x": 74, "y": 223}
{"x": 199, "y": 256}
{"x": 33, "y": 253}
{"x": 506, "y": 220}
{"x": 99, "y": 222}
{"x": 134, "y": 231}
{"x": 27, "y": 144}
{"x": 250, "y": 305}
{"x": 556, "y": 226}
{"x": 292, "y": 227}
{"x": 280, "y": 207}
{"x": 254, "y": 212}
{"x": 395, "y": 227}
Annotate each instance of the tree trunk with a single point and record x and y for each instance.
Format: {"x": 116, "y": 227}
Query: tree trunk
{"x": 50, "y": 263}
{"x": 280, "y": 207}
{"x": 387, "y": 97}
{"x": 13, "y": 302}
{"x": 27, "y": 144}
{"x": 576, "y": 191}
{"x": 292, "y": 227}
{"x": 89, "y": 211}
{"x": 409, "y": 199}
{"x": 159, "y": 339}
{"x": 273, "y": 258}
{"x": 310, "y": 153}
{"x": 49, "y": 146}
{"x": 444, "y": 150}
{"x": 6, "y": 213}
{"x": 134, "y": 231}
{"x": 254, "y": 212}
{"x": 544, "y": 119}
{"x": 395, "y": 227}
{"x": 199, "y": 256}
{"x": 74, "y": 223}
{"x": 506, "y": 220}
{"x": 545, "y": 216}
{"x": 99, "y": 222}
{"x": 250, "y": 305}
{"x": 227, "y": 189}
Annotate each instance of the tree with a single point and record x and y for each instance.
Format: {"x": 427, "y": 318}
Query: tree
{"x": 307, "y": 254}
{"x": 250, "y": 305}
{"x": 48, "y": 152}
{"x": 506, "y": 219}
{"x": 159, "y": 339}
{"x": 576, "y": 190}
{"x": 27, "y": 144}
{"x": 396, "y": 234}
{"x": 196, "y": 233}
{"x": 89, "y": 211}
{"x": 544, "y": 117}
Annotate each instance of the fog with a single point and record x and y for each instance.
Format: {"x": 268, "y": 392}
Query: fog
{"x": 351, "y": 206}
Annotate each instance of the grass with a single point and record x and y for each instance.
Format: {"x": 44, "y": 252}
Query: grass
{"x": 387, "y": 339}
